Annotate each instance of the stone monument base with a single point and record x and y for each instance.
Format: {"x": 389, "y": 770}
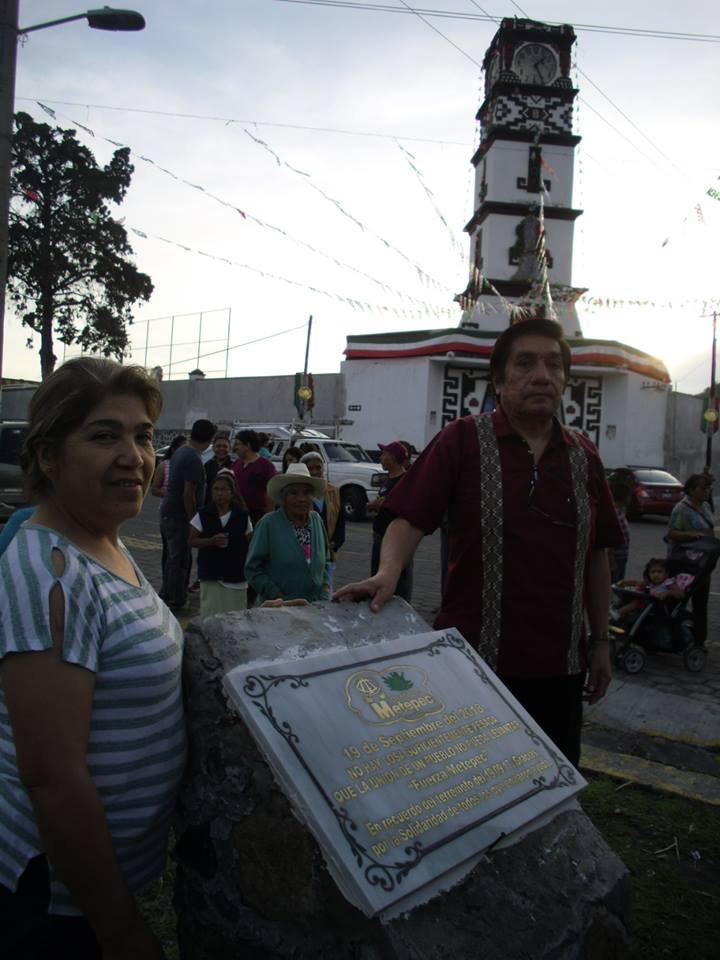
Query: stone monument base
{"x": 251, "y": 879}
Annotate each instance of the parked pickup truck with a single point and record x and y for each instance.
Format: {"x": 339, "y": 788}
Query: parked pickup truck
{"x": 12, "y": 495}
{"x": 347, "y": 466}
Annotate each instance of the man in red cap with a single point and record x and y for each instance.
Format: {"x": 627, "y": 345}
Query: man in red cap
{"x": 530, "y": 518}
{"x": 393, "y": 458}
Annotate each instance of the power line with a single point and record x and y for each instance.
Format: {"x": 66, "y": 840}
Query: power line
{"x": 616, "y": 107}
{"x": 518, "y": 7}
{"x": 270, "y": 336}
{"x": 256, "y": 123}
{"x": 617, "y": 131}
{"x": 473, "y": 60}
{"x": 632, "y": 124}
{"x": 695, "y": 369}
{"x": 455, "y": 15}
{"x": 406, "y": 8}
{"x": 443, "y": 35}
{"x": 488, "y": 15}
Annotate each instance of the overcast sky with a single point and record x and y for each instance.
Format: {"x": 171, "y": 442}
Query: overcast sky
{"x": 187, "y": 92}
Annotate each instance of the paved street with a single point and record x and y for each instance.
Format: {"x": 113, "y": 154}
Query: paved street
{"x": 660, "y": 727}
{"x": 664, "y": 672}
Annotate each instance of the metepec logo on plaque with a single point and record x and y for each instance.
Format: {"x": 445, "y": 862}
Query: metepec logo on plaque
{"x": 400, "y": 692}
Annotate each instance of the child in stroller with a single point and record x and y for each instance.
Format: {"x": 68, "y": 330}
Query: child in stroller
{"x": 657, "y": 584}
{"x": 655, "y": 617}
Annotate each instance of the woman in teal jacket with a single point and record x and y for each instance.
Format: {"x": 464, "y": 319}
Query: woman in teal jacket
{"x": 289, "y": 551}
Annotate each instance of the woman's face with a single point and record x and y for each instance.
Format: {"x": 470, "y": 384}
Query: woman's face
{"x": 104, "y": 467}
{"x": 298, "y": 501}
{"x": 221, "y": 496}
{"x": 290, "y": 458}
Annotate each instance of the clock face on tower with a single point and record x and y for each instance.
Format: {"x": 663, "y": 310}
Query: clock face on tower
{"x": 535, "y": 63}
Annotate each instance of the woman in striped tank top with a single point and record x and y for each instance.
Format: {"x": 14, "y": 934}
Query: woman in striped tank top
{"x": 92, "y": 739}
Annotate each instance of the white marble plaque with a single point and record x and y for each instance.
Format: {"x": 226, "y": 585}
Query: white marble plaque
{"x": 406, "y": 759}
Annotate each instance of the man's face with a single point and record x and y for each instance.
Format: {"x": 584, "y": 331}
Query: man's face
{"x": 221, "y": 449}
{"x": 534, "y": 379}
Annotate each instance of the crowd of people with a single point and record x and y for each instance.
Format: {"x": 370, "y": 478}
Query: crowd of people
{"x": 217, "y": 509}
{"x": 91, "y": 720}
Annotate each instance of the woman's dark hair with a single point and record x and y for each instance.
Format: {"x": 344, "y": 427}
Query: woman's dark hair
{"x": 655, "y": 562}
{"x": 696, "y": 480}
{"x": 65, "y": 399}
{"x": 250, "y": 438}
{"x": 534, "y": 327}
{"x": 295, "y": 452}
{"x": 175, "y": 444}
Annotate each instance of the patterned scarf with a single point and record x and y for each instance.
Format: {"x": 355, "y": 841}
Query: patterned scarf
{"x": 491, "y": 516}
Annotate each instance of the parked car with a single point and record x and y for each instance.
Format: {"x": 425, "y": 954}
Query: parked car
{"x": 347, "y": 465}
{"x": 12, "y": 494}
{"x": 653, "y": 491}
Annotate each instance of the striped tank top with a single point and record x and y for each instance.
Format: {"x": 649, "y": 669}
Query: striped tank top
{"x": 129, "y": 639}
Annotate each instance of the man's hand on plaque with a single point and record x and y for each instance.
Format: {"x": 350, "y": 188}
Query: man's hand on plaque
{"x": 378, "y": 590}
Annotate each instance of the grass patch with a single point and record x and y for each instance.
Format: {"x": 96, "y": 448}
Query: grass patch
{"x": 672, "y": 848}
{"x": 670, "y": 845}
{"x": 157, "y": 908}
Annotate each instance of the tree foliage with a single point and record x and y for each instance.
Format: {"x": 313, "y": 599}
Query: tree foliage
{"x": 69, "y": 266}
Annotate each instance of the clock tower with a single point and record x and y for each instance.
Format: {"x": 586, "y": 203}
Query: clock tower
{"x": 521, "y": 231}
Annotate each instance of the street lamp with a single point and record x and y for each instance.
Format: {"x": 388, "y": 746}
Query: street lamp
{"x": 105, "y": 18}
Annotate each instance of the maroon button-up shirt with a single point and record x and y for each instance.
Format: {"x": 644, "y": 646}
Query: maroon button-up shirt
{"x": 251, "y": 480}
{"x": 539, "y": 537}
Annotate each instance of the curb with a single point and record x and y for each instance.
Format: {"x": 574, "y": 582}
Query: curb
{"x": 648, "y": 773}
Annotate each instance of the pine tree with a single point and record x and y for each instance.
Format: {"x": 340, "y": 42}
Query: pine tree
{"x": 70, "y": 275}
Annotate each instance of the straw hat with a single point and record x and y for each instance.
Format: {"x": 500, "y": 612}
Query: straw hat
{"x": 297, "y": 473}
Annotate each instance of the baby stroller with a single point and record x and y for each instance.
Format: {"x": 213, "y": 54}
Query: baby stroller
{"x": 666, "y": 626}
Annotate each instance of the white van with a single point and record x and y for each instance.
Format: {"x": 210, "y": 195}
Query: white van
{"x": 347, "y": 466}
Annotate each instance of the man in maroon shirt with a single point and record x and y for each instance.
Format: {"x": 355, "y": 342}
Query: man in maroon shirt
{"x": 252, "y": 473}
{"x": 530, "y": 518}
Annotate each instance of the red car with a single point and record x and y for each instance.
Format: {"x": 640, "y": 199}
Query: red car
{"x": 653, "y": 491}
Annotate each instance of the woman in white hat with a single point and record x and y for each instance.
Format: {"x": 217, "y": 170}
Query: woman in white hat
{"x": 289, "y": 551}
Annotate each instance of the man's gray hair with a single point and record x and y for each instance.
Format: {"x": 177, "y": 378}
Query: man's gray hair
{"x": 313, "y": 455}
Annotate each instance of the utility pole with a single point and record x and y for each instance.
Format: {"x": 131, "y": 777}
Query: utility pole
{"x": 307, "y": 349}
{"x": 8, "y": 56}
{"x": 302, "y": 390}
{"x": 107, "y": 18}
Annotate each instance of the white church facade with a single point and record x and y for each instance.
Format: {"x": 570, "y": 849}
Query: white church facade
{"x": 409, "y": 385}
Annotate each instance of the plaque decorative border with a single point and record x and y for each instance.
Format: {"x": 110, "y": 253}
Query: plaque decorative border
{"x": 388, "y": 876}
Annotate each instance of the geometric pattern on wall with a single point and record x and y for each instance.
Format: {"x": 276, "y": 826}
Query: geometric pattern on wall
{"x": 466, "y": 390}
{"x": 523, "y": 112}
{"x": 581, "y": 406}
{"x": 469, "y": 390}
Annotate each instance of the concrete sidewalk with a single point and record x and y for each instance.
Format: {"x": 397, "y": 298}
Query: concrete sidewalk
{"x": 660, "y": 727}
{"x": 633, "y": 703}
